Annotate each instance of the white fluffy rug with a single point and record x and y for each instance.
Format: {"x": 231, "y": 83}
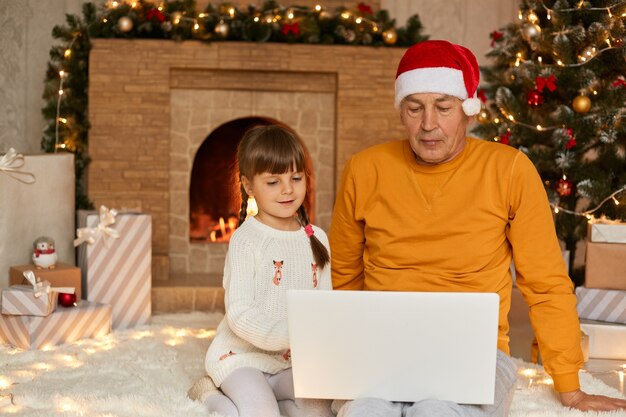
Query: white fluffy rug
{"x": 147, "y": 371}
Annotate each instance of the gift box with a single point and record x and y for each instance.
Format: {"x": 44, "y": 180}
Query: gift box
{"x": 116, "y": 265}
{"x": 607, "y": 232}
{"x": 606, "y": 340}
{"x": 605, "y": 266}
{"x": 63, "y": 275}
{"x": 37, "y": 200}
{"x": 25, "y": 300}
{"x": 601, "y": 305}
{"x": 64, "y": 325}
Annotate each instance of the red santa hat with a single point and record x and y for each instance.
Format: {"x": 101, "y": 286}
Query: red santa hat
{"x": 439, "y": 67}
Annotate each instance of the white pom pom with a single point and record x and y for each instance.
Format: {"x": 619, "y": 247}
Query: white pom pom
{"x": 471, "y": 106}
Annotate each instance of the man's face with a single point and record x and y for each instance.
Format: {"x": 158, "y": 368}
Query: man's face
{"x": 436, "y": 126}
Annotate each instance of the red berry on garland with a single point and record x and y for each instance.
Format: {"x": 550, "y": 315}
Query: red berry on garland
{"x": 535, "y": 98}
{"x": 67, "y": 300}
{"x": 564, "y": 188}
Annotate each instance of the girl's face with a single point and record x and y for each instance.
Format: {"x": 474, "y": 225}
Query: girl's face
{"x": 278, "y": 197}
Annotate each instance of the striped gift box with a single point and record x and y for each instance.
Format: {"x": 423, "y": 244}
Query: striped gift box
{"x": 601, "y": 305}
{"x": 119, "y": 271}
{"x": 64, "y": 325}
{"x": 20, "y": 300}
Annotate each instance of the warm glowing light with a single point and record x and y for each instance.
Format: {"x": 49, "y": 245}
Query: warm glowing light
{"x": 256, "y": 18}
{"x": 375, "y": 28}
{"x": 172, "y": 342}
{"x": 539, "y": 128}
{"x": 589, "y": 216}
{"x": 318, "y": 8}
{"x": 540, "y": 59}
{"x": 511, "y": 118}
{"x": 358, "y": 20}
{"x": 529, "y": 372}
{"x": 547, "y": 381}
{"x": 615, "y": 200}
{"x": 5, "y": 382}
{"x": 114, "y": 4}
{"x": 12, "y": 409}
{"x": 181, "y": 333}
{"x": 196, "y": 26}
{"x": 517, "y": 62}
{"x": 564, "y": 177}
{"x": 62, "y": 74}
{"x": 231, "y": 12}
{"x": 205, "y": 334}
{"x": 532, "y": 17}
{"x": 105, "y": 20}
{"x": 520, "y": 16}
{"x": 142, "y": 334}
{"x": 595, "y": 93}
{"x": 62, "y": 120}
{"x": 496, "y": 120}
{"x": 60, "y": 92}
{"x": 67, "y": 53}
{"x": 345, "y": 15}
{"x": 549, "y": 14}
{"x": 556, "y": 210}
{"x": 290, "y": 15}
{"x": 268, "y": 20}
{"x": 201, "y": 15}
{"x": 41, "y": 366}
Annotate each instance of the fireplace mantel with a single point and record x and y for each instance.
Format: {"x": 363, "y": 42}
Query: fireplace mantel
{"x": 132, "y": 84}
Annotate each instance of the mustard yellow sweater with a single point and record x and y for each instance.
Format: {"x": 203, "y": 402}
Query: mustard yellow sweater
{"x": 400, "y": 226}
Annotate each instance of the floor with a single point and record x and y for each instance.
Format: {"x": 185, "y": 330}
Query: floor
{"x": 522, "y": 336}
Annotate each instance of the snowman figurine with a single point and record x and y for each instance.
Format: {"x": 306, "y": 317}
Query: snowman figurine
{"x": 44, "y": 255}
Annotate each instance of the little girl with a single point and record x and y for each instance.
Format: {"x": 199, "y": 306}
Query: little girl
{"x": 276, "y": 250}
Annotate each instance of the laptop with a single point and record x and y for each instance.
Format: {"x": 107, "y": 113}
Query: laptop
{"x": 398, "y": 346}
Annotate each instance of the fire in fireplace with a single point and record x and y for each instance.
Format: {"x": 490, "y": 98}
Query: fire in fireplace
{"x": 214, "y": 195}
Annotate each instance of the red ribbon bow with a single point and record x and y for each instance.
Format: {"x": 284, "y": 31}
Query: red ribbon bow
{"x": 543, "y": 82}
{"x": 481, "y": 95}
{"x": 495, "y": 36}
{"x": 619, "y": 82}
{"x": 291, "y": 28}
{"x": 155, "y": 14}
{"x": 504, "y": 139}
{"x": 365, "y": 9}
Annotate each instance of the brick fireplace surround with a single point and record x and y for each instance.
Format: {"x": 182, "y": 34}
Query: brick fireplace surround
{"x": 152, "y": 103}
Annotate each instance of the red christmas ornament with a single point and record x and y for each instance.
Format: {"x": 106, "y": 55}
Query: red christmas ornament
{"x": 504, "y": 139}
{"x": 572, "y": 140}
{"x": 535, "y": 98}
{"x": 495, "y": 36}
{"x": 564, "y": 188}
{"x": 67, "y": 300}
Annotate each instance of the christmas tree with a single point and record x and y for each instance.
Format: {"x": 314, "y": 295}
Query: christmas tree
{"x": 555, "y": 89}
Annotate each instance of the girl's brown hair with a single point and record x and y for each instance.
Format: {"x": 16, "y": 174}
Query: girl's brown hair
{"x": 276, "y": 149}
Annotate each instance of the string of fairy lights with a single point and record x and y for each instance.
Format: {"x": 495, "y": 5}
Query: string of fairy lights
{"x": 530, "y": 30}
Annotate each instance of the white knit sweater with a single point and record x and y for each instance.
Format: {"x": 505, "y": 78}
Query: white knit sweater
{"x": 261, "y": 265}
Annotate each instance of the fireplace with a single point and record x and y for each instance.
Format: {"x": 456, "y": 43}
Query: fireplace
{"x": 155, "y": 104}
{"x": 214, "y": 192}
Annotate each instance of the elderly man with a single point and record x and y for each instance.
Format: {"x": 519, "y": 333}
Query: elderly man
{"x": 444, "y": 212}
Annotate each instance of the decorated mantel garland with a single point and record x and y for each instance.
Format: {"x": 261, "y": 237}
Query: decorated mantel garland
{"x": 67, "y": 74}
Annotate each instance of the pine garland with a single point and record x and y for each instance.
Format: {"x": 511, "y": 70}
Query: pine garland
{"x": 67, "y": 71}
{"x": 556, "y": 91}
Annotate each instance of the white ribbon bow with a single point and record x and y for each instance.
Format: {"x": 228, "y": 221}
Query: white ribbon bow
{"x": 90, "y": 234}
{"x": 44, "y": 287}
{"x": 10, "y": 164}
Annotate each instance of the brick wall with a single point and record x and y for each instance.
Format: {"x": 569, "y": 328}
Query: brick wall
{"x": 130, "y": 83}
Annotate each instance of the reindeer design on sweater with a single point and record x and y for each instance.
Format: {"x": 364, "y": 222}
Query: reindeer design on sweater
{"x": 314, "y": 269}
{"x": 278, "y": 274}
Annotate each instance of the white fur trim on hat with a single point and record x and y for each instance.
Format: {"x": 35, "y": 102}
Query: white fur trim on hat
{"x": 442, "y": 80}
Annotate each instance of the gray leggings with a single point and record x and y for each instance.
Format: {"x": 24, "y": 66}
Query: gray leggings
{"x": 506, "y": 376}
{"x": 249, "y": 392}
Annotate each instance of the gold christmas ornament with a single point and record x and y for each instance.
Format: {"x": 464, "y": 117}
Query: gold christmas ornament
{"x": 390, "y": 37}
{"x": 581, "y": 104}
{"x": 125, "y": 24}
{"x": 530, "y": 31}
{"x": 221, "y": 29}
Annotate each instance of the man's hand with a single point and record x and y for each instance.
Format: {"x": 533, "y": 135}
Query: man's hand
{"x": 587, "y": 402}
